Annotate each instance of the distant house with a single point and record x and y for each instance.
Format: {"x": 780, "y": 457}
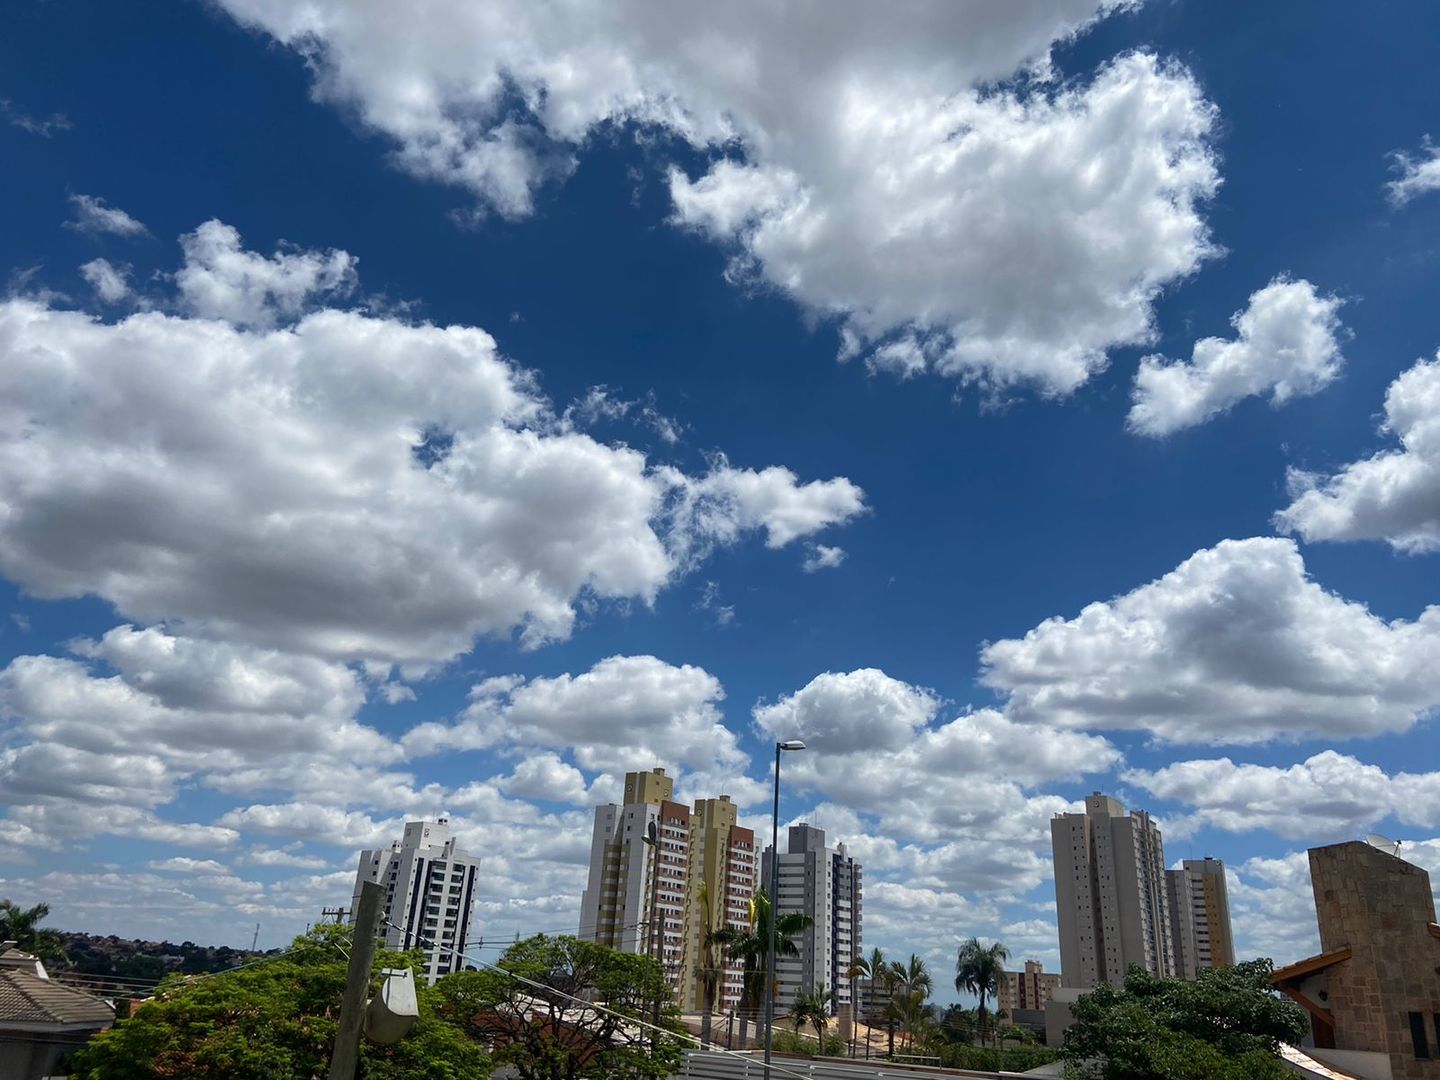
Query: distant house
{"x": 40, "y": 1020}
{"x": 1373, "y": 992}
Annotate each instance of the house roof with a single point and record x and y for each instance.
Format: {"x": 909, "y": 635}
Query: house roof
{"x": 28, "y": 999}
{"x": 1309, "y": 966}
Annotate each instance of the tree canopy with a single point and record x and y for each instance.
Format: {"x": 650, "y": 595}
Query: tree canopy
{"x": 21, "y": 925}
{"x": 274, "y": 1017}
{"x": 577, "y": 1012}
{"x": 1224, "y": 1025}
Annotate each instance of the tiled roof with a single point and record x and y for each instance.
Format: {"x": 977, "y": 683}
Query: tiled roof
{"x": 25, "y": 998}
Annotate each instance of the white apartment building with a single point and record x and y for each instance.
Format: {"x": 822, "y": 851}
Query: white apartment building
{"x": 705, "y": 860}
{"x": 826, "y": 884}
{"x": 615, "y": 908}
{"x": 429, "y": 894}
{"x": 1111, "y": 897}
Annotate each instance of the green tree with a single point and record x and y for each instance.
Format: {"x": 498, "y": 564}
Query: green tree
{"x": 19, "y": 925}
{"x": 751, "y": 944}
{"x": 869, "y": 967}
{"x": 978, "y": 969}
{"x": 908, "y": 986}
{"x": 274, "y": 1017}
{"x": 812, "y": 1006}
{"x": 711, "y": 962}
{"x": 1224, "y": 1025}
{"x": 561, "y": 1008}
{"x": 912, "y": 1014}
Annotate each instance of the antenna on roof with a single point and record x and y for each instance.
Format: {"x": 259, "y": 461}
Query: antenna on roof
{"x": 1384, "y": 843}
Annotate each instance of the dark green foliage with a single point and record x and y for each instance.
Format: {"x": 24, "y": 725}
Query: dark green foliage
{"x": 803, "y": 1045}
{"x": 751, "y": 945}
{"x": 539, "y": 1027}
{"x": 1225, "y": 1025}
{"x": 274, "y": 1018}
{"x": 21, "y": 925}
{"x": 92, "y": 954}
{"x": 978, "y": 969}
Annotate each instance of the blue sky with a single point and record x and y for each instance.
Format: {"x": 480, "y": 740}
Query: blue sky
{"x": 833, "y": 370}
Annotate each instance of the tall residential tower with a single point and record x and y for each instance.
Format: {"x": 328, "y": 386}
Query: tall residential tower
{"x": 429, "y": 894}
{"x": 1110, "y": 894}
{"x": 824, "y": 883}
{"x": 1200, "y": 904}
{"x": 706, "y": 870}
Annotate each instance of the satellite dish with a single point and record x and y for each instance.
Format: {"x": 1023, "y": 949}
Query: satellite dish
{"x": 1384, "y": 843}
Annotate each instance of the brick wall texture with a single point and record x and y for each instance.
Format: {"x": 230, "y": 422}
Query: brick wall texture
{"x": 1380, "y": 906}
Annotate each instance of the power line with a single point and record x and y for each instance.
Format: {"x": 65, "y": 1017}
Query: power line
{"x": 601, "y": 1008}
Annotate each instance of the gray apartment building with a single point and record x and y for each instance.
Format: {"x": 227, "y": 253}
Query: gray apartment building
{"x": 826, "y": 884}
{"x": 1112, "y": 903}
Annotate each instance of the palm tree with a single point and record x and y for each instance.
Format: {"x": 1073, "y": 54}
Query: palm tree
{"x": 863, "y": 967}
{"x": 910, "y": 985}
{"x": 978, "y": 969}
{"x": 18, "y": 924}
{"x": 913, "y": 1014}
{"x": 710, "y": 963}
{"x": 813, "y": 1006}
{"x": 751, "y": 944}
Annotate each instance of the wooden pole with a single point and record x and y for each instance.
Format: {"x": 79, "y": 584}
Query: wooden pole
{"x": 357, "y": 982}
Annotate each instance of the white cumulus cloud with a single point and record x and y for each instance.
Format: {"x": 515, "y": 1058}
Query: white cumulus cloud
{"x": 1286, "y": 345}
{"x": 625, "y": 713}
{"x": 244, "y": 480}
{"x": 1235, "y": 645}
{"x": 1393, "y": 495}
{"x": 876, "y": 169}
{"x": 1329, "y": 796}
{"x": 94, "y": 215}
{"x": 1419, "y": 173}
{"x": 222, "y": 280}
{"x": 109, "y": 281}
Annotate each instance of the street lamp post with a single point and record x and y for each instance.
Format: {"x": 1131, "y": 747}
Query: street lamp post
{"x": 770, "y": 965}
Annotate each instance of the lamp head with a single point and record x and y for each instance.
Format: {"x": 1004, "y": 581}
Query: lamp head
{"x": 791, "y": 744}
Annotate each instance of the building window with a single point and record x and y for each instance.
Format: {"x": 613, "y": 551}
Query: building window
{"x": 1417, "y": 1035}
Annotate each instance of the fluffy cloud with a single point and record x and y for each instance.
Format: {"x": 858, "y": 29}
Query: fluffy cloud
{"x": 221, "y": 280}
{"x": 95, "y": 751}
{"x": 1329, "y": 796}
{"x": 94, "y": 215}
{"x": 822, "y": 557}
{"x": 875, "y": 746}
{"x": 876, "y": 172}
{"x": 1418, "y": 173}
{"x": 1235, "y": 645}
{"x": 109, "y": 281}
{"x": 243, "y": 481}
{"x": 1286, "y": 344}
{"x": 1393, "y": 495}
{"x": 849, "y": 712}
{"x": 625, "y": 713}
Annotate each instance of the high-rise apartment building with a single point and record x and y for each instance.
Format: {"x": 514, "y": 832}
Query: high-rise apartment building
{"x": 615, "y": 909}
{"x": 703, "y": 857}
{"x": 1200, "y": 916}
{"x": 826, "y": 884}
{"x": 721, "y": 884}
{"x": 1110, "y": 894}
{"x": 429, "y": 894}
{"x": 1025, "y": 991}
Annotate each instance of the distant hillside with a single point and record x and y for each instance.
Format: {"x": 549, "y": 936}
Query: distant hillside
{"x": 126, "y": 958}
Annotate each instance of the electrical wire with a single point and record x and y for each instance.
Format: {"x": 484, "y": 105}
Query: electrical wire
{"x": 774, "y": 1068}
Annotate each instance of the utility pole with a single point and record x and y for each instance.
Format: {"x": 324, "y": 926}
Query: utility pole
{"x": 357, "y": 982}
{"x": 256, "y": 939}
